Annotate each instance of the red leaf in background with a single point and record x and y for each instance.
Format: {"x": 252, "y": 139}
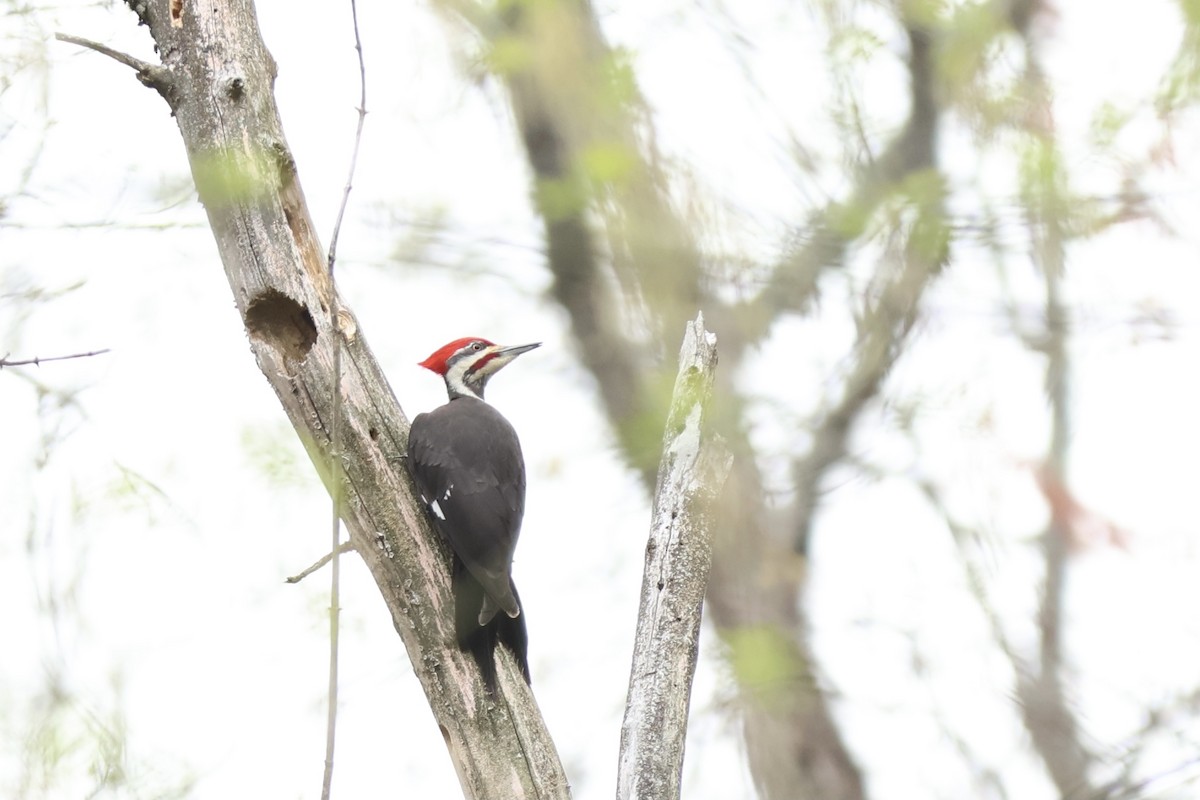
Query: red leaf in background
{"x": 1082, "y": 527}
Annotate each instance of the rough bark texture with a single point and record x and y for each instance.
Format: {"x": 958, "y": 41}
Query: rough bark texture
{"x": 217, "y": 76}
{"x": 678, "y": 557}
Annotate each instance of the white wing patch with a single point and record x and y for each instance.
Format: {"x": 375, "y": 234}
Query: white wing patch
{"x": 446, "y": 496}
{"x": 438, "y": 510}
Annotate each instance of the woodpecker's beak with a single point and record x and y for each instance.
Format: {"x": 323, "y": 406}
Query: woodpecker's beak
{"x": 512, "y": 351}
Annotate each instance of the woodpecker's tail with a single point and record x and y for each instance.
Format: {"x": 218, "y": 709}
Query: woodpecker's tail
{"x": 481, "y": 640}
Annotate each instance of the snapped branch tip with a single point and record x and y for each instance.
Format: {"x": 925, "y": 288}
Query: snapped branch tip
{"x": 152, "y": 75}
{"x": 103, "y": 49}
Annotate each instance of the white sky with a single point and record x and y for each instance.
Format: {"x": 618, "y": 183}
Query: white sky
{"x": 176, "y": 613}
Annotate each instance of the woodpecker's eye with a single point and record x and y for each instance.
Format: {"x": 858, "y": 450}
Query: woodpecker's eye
{"x": 477, "y": 346}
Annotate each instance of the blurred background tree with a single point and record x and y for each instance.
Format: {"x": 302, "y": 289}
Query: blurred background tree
{"x": 953, "y": 283}
{"x": 633, "y": 251}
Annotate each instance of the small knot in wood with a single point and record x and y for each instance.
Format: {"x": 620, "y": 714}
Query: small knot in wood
{"x": 235, "y": 88}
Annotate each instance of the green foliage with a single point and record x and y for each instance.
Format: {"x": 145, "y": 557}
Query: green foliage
{"x": 608, "y": 162}
{"x": 271, "y": 450}
{"x": 764, "y": 662}
{"x": 1181, "y": 84}
{"x": 854, "y": 44}
{"x": 1107, "y": 123}
{"x": 617, "y": 86}
{"x": 914, "y": 204}
{"x": 511, "y": 8}
{"x": 508, "y": 55}
{"x": 969, "y": 41}
{"x": 924, "y": 13}
{"x": 849, "y": 220}
{"x": 977, "y": 57}
{"x": 561, "y": 198}
{"x": 642, "y": 433}
{"x": 68, "y": 745}
{"x": 924, "y": 192}
{"x": 226, "y": 178}
{"x": 1043, "y": 177}
{"x": 130, "y": 490}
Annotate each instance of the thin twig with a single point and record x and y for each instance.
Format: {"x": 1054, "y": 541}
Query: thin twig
{"x": 103, "y": 49}
{"x": 155, "y": 76}
{"x": 335, "y": 428}
{"x": 362, "y": 118}
{"x": 36, "y": 361}
{"x": 344, "y": 547}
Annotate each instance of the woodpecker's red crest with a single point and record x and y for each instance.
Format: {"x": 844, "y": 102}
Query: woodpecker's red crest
{"x": 437, "y": 361}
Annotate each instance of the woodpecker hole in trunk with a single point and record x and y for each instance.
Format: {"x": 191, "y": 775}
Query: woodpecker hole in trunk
{"x": 277, "y": 320}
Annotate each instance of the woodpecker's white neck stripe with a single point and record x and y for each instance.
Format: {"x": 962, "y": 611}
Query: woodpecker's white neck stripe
{"x": 456, "y": 379}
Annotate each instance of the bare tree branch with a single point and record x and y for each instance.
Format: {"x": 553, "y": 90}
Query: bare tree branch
{"x": 678, "y": 557}
{"x": 36, "y": 360}
{"x": 154, "y": 76}
{"x": 793, "y": 282}
{"x": 135, "y": 64}
{"x": 882, "y": 332}
{"x": 1047, "y": 710}
{"x": 344, "y": 547}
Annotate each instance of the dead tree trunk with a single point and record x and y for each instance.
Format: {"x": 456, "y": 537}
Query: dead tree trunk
{"x": 217, "y": 77}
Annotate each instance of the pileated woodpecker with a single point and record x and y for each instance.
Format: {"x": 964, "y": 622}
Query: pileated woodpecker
{"x": 466, "y": 461}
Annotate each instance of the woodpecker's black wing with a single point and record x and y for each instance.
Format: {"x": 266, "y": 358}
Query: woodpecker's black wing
{"x": 466, "y": 461}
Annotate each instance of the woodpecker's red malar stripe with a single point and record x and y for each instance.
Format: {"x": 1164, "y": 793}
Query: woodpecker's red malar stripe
{"x": 478, "y": 365}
